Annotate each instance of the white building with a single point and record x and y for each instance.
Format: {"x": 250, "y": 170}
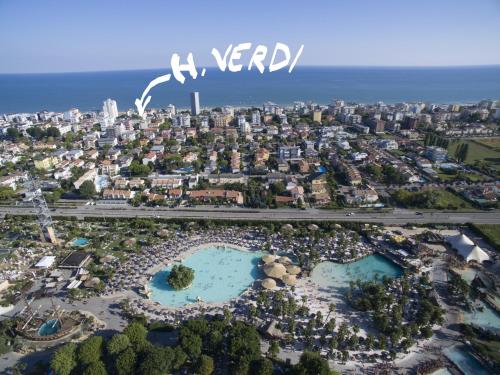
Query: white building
{"x": 256, "y": 118}
{"x": 110, "y": 112}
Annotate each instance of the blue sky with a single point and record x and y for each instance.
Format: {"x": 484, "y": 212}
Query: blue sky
{"x": 58, "y": 36}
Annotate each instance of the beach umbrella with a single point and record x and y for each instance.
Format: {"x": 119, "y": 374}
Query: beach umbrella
{"x": 162, "y": 233}
{"x": 289, "y": 279}
{"x": 292, "y": 269}
{"x": 268, "y": 283}
{"x": 312, "y": 227}
{"x": 284, "y": 260}
{"x": 275, "y": 270}
{"x": 286, "y": 228}
{"x": 268, "y": 258}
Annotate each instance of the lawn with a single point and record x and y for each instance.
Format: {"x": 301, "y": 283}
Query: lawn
{"x": 479, "y": 152}
{"x": 446, "y": 177}
{"x": 447, "y": 199}
{"x": 490, "y": 142}
{"x": 440, "y": 199}
{"x": 491, "y": 232}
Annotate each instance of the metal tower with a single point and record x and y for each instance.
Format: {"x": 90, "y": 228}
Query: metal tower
{"x": 41, "y": 210}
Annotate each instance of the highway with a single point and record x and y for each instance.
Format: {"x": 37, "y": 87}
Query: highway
{"x": 396, "y": 216}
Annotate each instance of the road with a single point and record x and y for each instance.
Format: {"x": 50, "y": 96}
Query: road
{"x": 397, "y": 216}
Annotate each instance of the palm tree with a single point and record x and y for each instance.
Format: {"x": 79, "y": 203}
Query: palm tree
{"x": 331, "y": 309}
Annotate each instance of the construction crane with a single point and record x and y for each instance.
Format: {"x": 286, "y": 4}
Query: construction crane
{"x": 42, "y": 211}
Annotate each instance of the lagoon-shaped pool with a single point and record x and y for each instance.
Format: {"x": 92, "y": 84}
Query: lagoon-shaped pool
{"x": 486, "y": 318}
{"x": 338, "y": 276}
{"x": 220, "y": 275}
{"x": 459, "y": 355}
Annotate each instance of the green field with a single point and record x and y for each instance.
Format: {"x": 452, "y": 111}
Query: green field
{"x": 446, "y": 199}
{"x": 445, "y": 177}
{"x": 487, "y": 151}
{"x": 439, "y": 199}
{"x": 491, "y": 232}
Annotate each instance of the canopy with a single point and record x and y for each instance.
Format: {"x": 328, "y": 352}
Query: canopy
{"x": 475, "y": 253}
{"x": 292, "y": 269}
{"x": 46, "y": 262}
{"x": 460, "y": 242}
{"x": 312, "y": 227}
{"x": 289, "y": 279}
{"x": 467, "y": 249}
{"x": 268, "y": 283}
{"x": 275, "y": 270}
{"x": 284, "y": 260}
{"x": 268, "y": 258}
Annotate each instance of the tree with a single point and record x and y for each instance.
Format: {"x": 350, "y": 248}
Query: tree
{"x": 64, "y": 359}
{"x": 6, "y": 193}
{"x": 311, "y": 363}
{"x": 95, "y": 368}
{"x": 262, "y": 366}
{"x": 87, "y": 189}
{"x": 191, "y": 343}
{"x": 13, "y": 134}
{"x": 138, "y": 169}
{"x": 274, "y": 349}
{"x": 118, "y": 343}
{"x": 136, "y": 333}
{"x": 53, "y": 132}
{"x": 157, "y": 361}
{"x": 90, "y": 350}
{"x": 36, "y": 132}
{"x": 243, "y": 346}
{"x": 126, "y": 361}
{"x": 180, "y": 277}
{"x": 205, "y": 365}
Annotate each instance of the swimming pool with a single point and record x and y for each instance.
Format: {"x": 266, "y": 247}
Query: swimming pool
{"x": 442, "y": 371}
{"x": 49, "y": 327}
{"x": 338, "y": 276}
{"x": 487, "y": 318}
{"x": 220, "y": 275}
{"x": 80, "y": 242}
{"x": 464, "y": 361}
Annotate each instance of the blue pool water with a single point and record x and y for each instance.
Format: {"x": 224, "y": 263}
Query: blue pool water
{"x": 488, "y": 318}
{"x": 80, "y": 241}
{"x": 442, "y": 371}
{"x": 465, "y": 362}
{"x": 220, "y": 275}
{"x": 49, "y": 327}
{"x": 337, "y": 276}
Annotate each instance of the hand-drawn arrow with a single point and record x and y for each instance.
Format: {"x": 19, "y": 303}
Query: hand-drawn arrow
{"x": 141, "y": 103}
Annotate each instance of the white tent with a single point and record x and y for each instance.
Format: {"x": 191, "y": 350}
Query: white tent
{"x": 474, "y": 253}
{"x": 467, "y": 249}
{"x": 46, "y": 262}
{"x": 460, "y": 242}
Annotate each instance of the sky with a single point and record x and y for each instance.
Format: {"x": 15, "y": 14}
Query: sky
{"x": 67, "y": 36}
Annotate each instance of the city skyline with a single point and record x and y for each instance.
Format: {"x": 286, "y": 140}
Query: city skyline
{"x": 334, "y": 33}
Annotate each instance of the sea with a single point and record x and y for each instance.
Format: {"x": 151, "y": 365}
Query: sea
{"x": 87, "y": 91}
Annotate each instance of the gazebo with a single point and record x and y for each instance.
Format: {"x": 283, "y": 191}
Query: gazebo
{"x": 268, "y": 258}
{"x": 275, "y": 270}
{"x": 289, "y": 279}
{"x": 284, "y": 260}
{"x": 268, "y": 283}
{"x": 292, "y": 269}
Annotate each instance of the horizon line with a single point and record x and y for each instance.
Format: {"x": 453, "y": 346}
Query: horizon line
{"x": 297, "y": 67}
